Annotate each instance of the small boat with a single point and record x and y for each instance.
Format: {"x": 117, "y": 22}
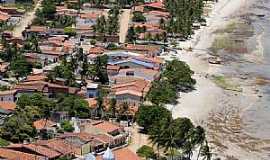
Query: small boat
{"x": 214, "y": 60}
{"x": 260, "y": 15}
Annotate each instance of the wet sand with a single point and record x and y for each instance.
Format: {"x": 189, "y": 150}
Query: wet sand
{"x": 222, "y": 111}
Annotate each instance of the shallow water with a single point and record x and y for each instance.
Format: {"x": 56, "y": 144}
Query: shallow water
{"x": 257, "y": 116}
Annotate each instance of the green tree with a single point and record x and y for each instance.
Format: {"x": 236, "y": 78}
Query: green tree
{"x": 67, "y": 126}
{"x": 162, "y": 92}
{"x": 131, "y": 35}
{"x": 20, "y": 67}
{"x": 149, "y": 115}
{"x": 113, "y": 107}
{"x": 69, "y": 31}
{"x": 146, "y": 152}
{"x": 75, "y": 106}
{"x": 138, "y": 17}
{"x": 178, "y": 74}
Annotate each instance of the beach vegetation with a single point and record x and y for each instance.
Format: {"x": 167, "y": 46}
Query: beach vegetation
{"x": 221, "y": 41}
{"x": 226, "y": 84}
{"x": 176, "y": 76}
{"x": 149, "y": 115}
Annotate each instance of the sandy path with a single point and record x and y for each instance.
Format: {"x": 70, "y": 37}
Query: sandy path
{"x": 138, "y": 139}
{"x": 124, "y": 21}
{"x": 25, "y": 21}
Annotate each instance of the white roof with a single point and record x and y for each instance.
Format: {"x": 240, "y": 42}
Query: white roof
{"x": 92, "y": 85}
{"x": 108, "y": 155}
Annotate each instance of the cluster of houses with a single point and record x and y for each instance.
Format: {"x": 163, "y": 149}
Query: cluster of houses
{"x": 131, "y": 70}
{"x": 155, "y": 14}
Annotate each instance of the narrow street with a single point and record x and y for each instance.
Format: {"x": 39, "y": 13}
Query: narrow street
{"x": 138, "y": 139}
{"x": 25, "y": 21}
{"x": 124, "y": 21}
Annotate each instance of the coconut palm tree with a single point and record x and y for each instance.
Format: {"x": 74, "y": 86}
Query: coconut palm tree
{"x": 205, "y": 152}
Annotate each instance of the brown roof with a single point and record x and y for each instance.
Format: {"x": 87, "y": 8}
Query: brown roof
{"x": 90, "y": 15}
{"x": 159, "y": 13}
{"x": 8, "y": 92}
{"x": 82, "y": 135}
{"x": 41, "y": 150}
{"x": 123, "y": 154}
{"x": 58, "y": 145}
{"x": 4, "y": 16}
{"x": 37, "y": 85}
{"x": 106, "y": 126}
{"x": 138, "y": 88}
{"x": 113, "y": 67}
{"x": 142, "y": 48}
{"x": 7, "y": 105}
{"x": 96, "y": 50}
{"x": 37, "y": 29}
{"x": 92, "y": 102}
{"x": 43, "y": 123}
{"x": 158, "y": 5}
{"x": 104, "y": 138}
{"x": 36, "y": 78}
{"x": 16, "y": 155}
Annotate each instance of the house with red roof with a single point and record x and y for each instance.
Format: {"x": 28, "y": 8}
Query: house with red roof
{"x": 35, "y": 149}
{"x": 119, "y": 154}
{"x": 111, "y": 133}
{"x": 45, "y": 125}
{"x": 132, "y": 93}
{"x": 17, "y": 155}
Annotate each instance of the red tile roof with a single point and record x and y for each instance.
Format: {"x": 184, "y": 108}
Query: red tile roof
{"x": 90, "y": 15}
{"x": 8, "y": 92}
{"x": 113, "y": 67}
{"x": 158, "y": 5}
{"x": 16, "y": 155}
{"x": 7, "y": 105}
{"x": 123, "y": 154}
{"x": 138, "y": 88}
{"x": 37, "y": 29}
{"x": 96, "y": 50}
{"x": 36, "y": 78}
{"x": 159, "y": 13}
{"x": 106, "y": 126}
{"x": 92, "y": 102}
{"x": 43, "y": 123}
{"x": 58, "y": 145}
{"x": 41, "y": 150}
{"x": 4, "y": 16}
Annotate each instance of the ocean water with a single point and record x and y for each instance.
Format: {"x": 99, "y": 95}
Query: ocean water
{"x": 257, "y": 116}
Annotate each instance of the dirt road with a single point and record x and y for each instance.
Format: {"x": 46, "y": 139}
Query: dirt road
{"x": 25, "y": 21}
{"x": 124, "y": 21}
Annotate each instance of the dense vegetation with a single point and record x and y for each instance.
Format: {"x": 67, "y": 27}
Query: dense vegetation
{"x": 19, "y": 127}
{"x": 78, "y": 64}
{"x": 183, "y": 14}
{"x": 138, "y": 17}
{"x": 14, "y": 55}
{"x": 172, "y": 135}
{"x": 46, "y": 16}
{"x": 110, "y": 25}
{"x": 176, "y": 76}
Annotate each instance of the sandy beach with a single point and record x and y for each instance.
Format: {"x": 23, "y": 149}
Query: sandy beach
{"x": 219, "y": 110}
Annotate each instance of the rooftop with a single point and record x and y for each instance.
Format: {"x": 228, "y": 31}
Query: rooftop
{"x": 43, "y": 123}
